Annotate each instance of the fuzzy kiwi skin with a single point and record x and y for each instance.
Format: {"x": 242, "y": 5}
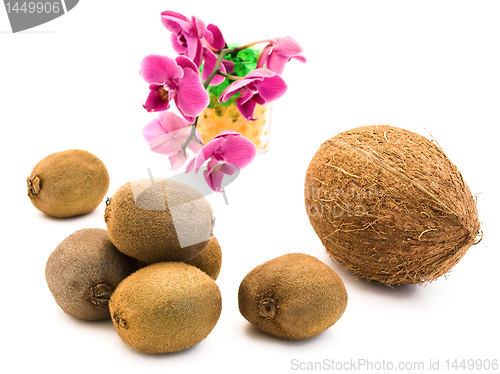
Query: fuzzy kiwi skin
{"x": 165, "y": 307}
{"x": 142, "y": 226}
{"x": 294, "y": 296}
{"x": 84, "y": 270}
{"x": 68, "y": 183}
{"x": 210, "y": 260}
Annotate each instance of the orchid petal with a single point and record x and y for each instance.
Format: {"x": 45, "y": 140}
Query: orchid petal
{"x": 286, "y": 49}
{"x": 153, "y": 129}
{"x": 174, "y": 17}
{"x": 176, "y": 22}
{"x": 279, "y": 52}
{"x": 177, "y": 160}
{"x": 165, "y": 144}
{"x": 190, "y": 165}
{"x": 226, "y": 133}
{"x": 194, "y": 49}
{"x": 159, "y": 69}
{"x": 227, "y": 168}
{"x": 260, "y": 74}
{"x": 178, "y": 47}
{"x": 271, "y": 88}
{"x": 195, "y": 145}
{"x": 156, "y": 102}
{"x": 209, "y": 151}
{"x": 212, "y": 164}
{"x": 199, "y": 26}
{"x": 186, "y": 63}
{"x": 238, "y": 150}
{"x": 215, "y": 174}
{"x": 288, "y": 46}
{"x": 210, "y": 60}
{"x": 228, "y": 65}
{"x": 214, "y": 37}
{"x": 233, "y": 88}
{"x": 191, "y": 98}
{"x": 190, "y": 119}
{"x": 171, "y": 122}
{"x": 246, "y": 94}
{"x": 189, "y": 31}
{"x": 264, "y": 55}
{"x": 277, "y": 62}
{"x": 247, "y": 109}
{"x": 204, "y": 154}
{"x": 209, "y": 179}
{"x": 214, "y": 179}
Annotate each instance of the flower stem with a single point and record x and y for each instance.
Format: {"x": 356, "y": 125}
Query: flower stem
{"x": 251, "y": 45}
{"x": 231, "y": 77}
{"x": 216, "y": 68}
{"x": 192, "y": 136}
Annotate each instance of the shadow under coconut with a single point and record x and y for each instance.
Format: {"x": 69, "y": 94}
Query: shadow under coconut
{"x": 352, "y": 281}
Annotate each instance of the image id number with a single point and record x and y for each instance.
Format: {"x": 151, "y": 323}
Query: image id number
{"x": 32, "y": 7}
{"x": 472, "y": 364}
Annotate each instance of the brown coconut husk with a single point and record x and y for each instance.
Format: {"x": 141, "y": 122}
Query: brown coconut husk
{"x": 389, "y": 205}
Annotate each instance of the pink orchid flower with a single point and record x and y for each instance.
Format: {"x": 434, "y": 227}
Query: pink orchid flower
{"x": 177, "y": 79}
{"x": 257, "y": 87}
{"x": 213, "y": 37}
{"x": 167, "y": 134}
{"x": 278, "y": 52}
{"x": 186, "y": 34}
{"x": 226, "y": 152}
{"x": 191, "y": 38}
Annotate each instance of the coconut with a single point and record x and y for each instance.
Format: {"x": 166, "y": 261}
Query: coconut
{"x": 389, "y": 205}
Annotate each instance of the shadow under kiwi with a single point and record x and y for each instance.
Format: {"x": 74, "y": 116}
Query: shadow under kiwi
{"x": 162, "y": 356}
{"x": 254, "y": 333}
{"x": 107, "y": 325}
{"x": 95, "y": 213}
{"x": 101, "y": 324}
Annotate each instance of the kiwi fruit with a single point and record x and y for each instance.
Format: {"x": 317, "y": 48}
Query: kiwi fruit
{"x": 84, "y": 270}
{"x": 294, "y": 296}
{"x": 68, "y": 183}
{"x": 159, "y": 220}
{"x": 210, "y": 260}
{"x": 390, "y": 206}
{"x": 165, "y": 307}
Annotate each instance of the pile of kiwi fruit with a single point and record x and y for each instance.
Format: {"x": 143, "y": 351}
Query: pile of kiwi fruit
{"x": 161, "y": 296}
{"x": 152, "y": 271}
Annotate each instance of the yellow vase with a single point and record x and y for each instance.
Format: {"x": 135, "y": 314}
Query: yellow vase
{"x": 214, "y": 120}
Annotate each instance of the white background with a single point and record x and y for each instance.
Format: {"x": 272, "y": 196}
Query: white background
{"x": 74, "y": 83}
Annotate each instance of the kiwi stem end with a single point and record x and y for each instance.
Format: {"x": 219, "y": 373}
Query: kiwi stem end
{"x": 99, "y": 294}
{"x": 267, "y": 308}
{"x": 33, "y": 182}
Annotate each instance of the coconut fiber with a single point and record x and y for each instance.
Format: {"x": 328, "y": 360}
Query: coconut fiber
{"x": 389, "y": 205}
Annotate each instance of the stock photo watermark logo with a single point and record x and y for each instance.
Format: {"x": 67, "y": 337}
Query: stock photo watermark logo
{"x": 335, "y": 202}
{"x": 25, "y": 15}
{"x": 152, "y": 195}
